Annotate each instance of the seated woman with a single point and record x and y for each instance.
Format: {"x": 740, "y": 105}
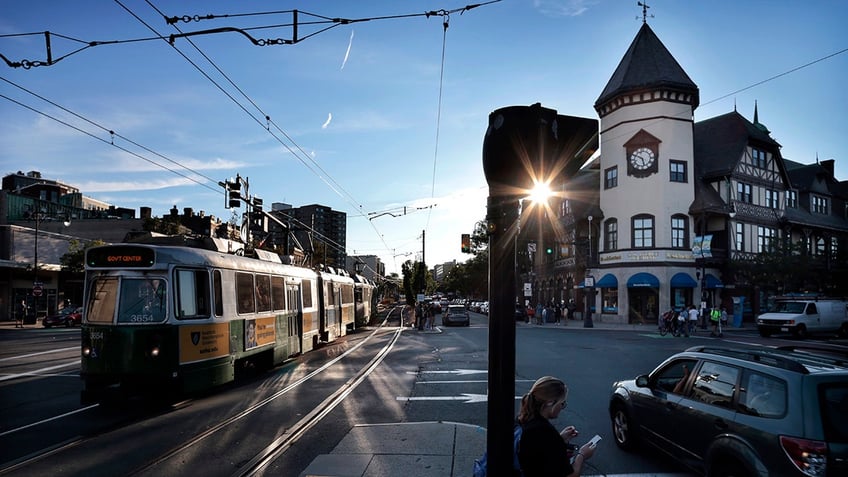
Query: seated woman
{"x": 543, "y": 451}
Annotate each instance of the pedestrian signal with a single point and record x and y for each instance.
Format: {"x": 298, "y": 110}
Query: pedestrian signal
{"x": 466, "y": 243}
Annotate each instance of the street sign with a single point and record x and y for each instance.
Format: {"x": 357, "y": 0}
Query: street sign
{"x": 37, "y": 290}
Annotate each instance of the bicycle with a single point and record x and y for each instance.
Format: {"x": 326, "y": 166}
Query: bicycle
{"x": 665, "y": 324}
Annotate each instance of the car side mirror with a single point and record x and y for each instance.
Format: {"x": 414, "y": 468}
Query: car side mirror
{"x": 642, "y": 381}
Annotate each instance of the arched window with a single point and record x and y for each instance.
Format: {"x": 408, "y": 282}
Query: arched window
{"x": 611, "y": 235}
{"x": 642, "y": 231}
{"x": 679, "y": 231}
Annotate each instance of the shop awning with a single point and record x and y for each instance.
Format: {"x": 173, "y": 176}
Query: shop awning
{"x": 643, "y": 279}
{"x": 711, "y": 281}
{"x": 607, "y": 281}
{"x": 683, "y": 280}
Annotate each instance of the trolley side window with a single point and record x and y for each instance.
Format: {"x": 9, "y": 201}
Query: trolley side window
{"x": 347, "y": 293}
{"x": 192, "y": 294}
{"x": 278, "y": 293}
{"x": 330, "y": 293}
{"x": 263, "y": 293}
{"x": 307, "y": 293}
{"x": 244, "y": 293}
{"x": 217, "y": 287}
{"x": 142, "y": 300}
{"x": 102, "y": 300}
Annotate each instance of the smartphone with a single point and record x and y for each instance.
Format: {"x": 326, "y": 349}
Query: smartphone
{"x": 595, "y": 440}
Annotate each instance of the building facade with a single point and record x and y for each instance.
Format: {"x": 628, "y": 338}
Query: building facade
{"x": 675, "y": 212}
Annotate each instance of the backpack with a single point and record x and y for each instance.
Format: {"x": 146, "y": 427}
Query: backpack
{"x": 480, "y": 464}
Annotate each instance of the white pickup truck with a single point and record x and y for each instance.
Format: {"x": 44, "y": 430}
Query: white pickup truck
{"x": 802, "y": 316}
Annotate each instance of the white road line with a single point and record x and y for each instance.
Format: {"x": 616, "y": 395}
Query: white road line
{"x": 38, "y": 354}
{"x": 462, "y": 372}
{"x": 10, "y": 431}
{"x": 470, "y": 382}
{"x": 38, "y": 372}
{"x": 467, "y": 398}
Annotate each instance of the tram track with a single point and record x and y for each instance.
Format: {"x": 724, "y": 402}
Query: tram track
{"x": 281, "y": 443}
{"x": 28, "y": 464}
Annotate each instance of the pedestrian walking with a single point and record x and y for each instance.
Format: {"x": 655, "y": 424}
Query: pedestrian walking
{"x": 572, "y": 306}
{"x": 693, "y": 318}
{"x": 558, "y": 312}
{"x": 715, "y": 318}
{"x": 20, "y": 314}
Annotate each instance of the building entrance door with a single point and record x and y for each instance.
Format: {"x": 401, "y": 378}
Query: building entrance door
{"x": 643, "y": 305}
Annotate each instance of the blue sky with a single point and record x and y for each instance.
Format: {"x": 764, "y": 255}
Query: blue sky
{"x": 366, "y": 117}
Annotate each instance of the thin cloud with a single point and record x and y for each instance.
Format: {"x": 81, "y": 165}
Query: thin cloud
{"x": 563, "y": 8}
{"x": 123, "y": 186}
{"x": 347, "y": 53}
{"x": 327, "y": 122}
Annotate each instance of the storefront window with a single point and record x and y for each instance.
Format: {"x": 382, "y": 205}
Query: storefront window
{"x": 609, "y": 301}
{"x": 680, "y": 297}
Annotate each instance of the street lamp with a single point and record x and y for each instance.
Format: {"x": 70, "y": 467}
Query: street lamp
{"x": 523, "y": 146}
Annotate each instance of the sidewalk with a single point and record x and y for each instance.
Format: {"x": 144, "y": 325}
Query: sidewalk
{"x": 420, "y": 449}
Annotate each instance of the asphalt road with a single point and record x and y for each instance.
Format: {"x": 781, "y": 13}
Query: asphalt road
{"x": 426, "y": 376}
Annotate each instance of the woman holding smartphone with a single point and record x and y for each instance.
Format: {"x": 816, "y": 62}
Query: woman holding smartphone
{"x": 544, "y": 451}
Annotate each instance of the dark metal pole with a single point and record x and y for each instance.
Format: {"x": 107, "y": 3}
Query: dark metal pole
{"x": 522, "y": 144}
{"x": 502, "y": 213}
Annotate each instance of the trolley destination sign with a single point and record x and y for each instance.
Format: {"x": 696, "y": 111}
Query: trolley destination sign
{"x": 121, "y": 256}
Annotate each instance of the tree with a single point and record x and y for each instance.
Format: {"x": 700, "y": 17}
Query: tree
{"x": 74, "y": 259}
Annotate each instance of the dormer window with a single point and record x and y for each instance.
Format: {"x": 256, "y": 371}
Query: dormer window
{"x": 819, "y": 205}
{"x": 791, "y": 199}
{"x": 758, "y": 157}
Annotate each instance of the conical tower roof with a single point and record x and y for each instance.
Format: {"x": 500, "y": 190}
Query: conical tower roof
{"x": 647, "y": 65}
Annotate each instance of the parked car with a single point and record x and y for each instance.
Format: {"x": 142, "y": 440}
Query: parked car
{"x": 734, "y": 411}
{"x": 68, "y": 316}
{"x": 456, "y": 314}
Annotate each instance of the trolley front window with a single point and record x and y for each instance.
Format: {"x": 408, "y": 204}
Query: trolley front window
{"x": 102, "y": 300}
{"x": 142, "y": 300}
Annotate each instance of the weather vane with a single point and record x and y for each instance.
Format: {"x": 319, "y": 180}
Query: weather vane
{"x": 645, "y": 8}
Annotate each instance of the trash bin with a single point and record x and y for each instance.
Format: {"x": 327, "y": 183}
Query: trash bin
{"x": 738, "y": 307}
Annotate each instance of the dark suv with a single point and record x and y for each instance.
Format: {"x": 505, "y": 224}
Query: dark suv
{"x": 741, "y": 411}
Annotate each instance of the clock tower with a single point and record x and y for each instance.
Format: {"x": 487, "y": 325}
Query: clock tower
{"x": 647, "y": 178}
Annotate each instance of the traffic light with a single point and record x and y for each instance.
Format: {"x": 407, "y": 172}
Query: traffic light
{"x": 234, "y": 194}
{"x": 549, "y": 250}
{"x": 257, "y": 218}
{"x": 466, "y": 243}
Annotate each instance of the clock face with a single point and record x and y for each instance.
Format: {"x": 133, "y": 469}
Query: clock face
{"x": 641, "y": 159}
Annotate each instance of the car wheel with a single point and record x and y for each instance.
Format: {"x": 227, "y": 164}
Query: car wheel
{"x": 621, "y": 428}
{"x": 69, "y": 323}
{"x": 801, "y": 332}
{"x": 843, "y": 330}
{"x": 765, "y": 332}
